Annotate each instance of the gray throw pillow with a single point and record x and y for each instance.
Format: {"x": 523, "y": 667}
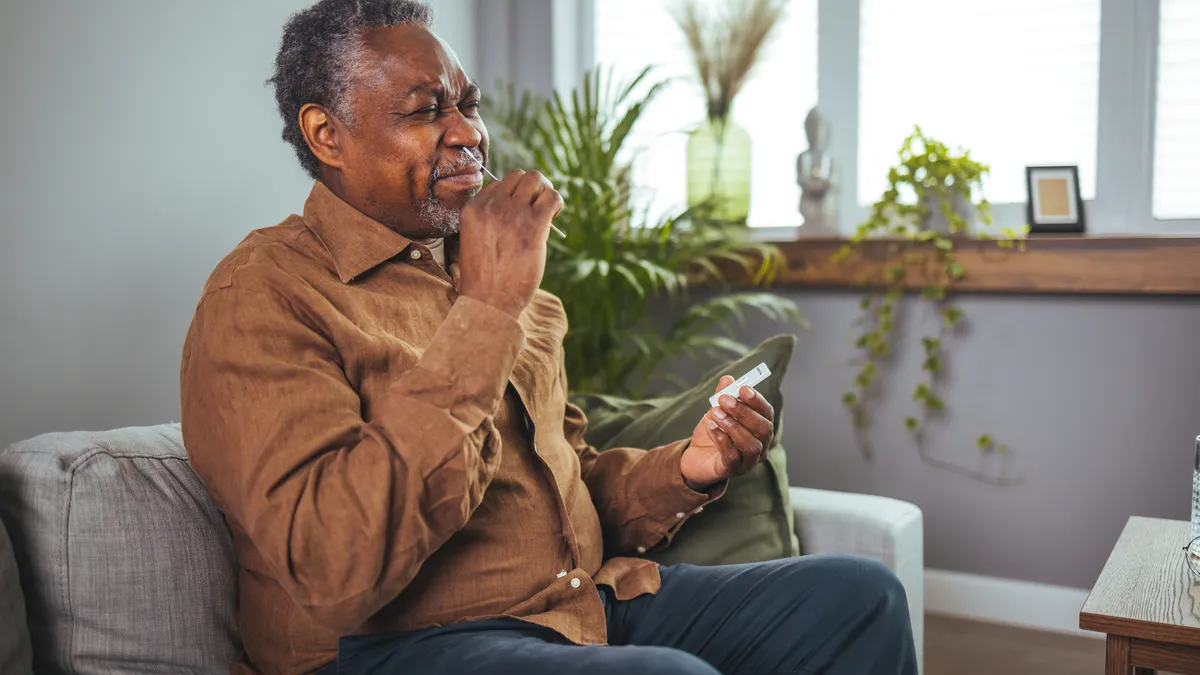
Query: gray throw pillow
{"x": 15, "y": 656}
{"x": 127, "y": 565}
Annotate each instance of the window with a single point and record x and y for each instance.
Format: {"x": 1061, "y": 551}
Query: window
{"x": 1177, "y": 127}
{"x": 632, "y": 34}
{"x": 1018, "y": 82}
{"x": 1015, "y": 81}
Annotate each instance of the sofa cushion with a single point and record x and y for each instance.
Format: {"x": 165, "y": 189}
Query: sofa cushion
{"x": 127, "y": 566}
{"x": 15, "y": 657}
{"x": 753, "y": 521}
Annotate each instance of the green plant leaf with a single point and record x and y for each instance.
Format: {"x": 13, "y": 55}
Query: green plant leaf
{"x": 911, "y": 423}
{"x": 934, "y": 293}
{"x": 951, "y": 316}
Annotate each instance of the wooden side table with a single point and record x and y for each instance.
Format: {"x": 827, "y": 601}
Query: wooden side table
{"x": 1147, "y": 601}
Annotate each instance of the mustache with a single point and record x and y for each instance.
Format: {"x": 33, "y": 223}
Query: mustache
{"x": 443, "y": 170}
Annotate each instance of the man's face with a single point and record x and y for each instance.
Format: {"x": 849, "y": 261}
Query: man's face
{"x": 405, "y": 158}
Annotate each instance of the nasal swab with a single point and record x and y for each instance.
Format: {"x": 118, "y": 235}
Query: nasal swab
{"x": 493, "y": 177}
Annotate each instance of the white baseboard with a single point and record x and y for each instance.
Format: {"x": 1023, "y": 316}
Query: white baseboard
{"x": 1021, "y": 603}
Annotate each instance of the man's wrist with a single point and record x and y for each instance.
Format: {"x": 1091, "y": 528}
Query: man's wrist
{"x": 696, "y": 486}
{"x": 505, "y": 304}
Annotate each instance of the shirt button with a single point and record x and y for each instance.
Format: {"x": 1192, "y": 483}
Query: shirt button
{"x": 575, "y": 583}
{"x": 680, "y": 515}
{"x": 415, "y": 255}
{"x": 641, "y": 549}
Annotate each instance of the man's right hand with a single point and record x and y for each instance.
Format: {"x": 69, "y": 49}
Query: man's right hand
{"x": 502, "y": 240}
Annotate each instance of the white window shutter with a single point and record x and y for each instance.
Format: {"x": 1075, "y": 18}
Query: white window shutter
{"x": 1177, "y": 127}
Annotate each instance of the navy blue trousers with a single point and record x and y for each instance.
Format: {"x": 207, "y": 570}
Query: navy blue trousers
{"x": 838, "y": 615}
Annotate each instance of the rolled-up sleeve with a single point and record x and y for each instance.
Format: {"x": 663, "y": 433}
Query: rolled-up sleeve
{"x": 343, "y": 511}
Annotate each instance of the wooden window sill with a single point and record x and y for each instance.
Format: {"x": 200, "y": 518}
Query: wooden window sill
{"x": 1108, "y": 265}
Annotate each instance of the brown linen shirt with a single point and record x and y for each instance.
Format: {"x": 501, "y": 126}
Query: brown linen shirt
{"x": 390, "y": 456}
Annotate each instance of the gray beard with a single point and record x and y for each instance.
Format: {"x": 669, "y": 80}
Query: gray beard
{"x": 439, "y": 216}
{"x": 441, "y": 219}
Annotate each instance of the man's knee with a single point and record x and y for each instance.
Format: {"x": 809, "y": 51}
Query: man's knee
{"x": 866, "y": 585}
{"x": 656, "y": 661}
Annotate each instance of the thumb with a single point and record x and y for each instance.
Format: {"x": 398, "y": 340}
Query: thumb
{"x": 725, "y": 381}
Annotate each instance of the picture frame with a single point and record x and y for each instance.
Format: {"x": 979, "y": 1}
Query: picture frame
{"x": 1053, "y": 203}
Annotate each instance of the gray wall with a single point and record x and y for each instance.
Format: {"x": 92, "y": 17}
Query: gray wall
{"x": 141, "y": 145}
{"x": 1097, "y": 398}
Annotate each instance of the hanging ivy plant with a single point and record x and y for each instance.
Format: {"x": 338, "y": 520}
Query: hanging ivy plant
{"x": 929, "y": 180}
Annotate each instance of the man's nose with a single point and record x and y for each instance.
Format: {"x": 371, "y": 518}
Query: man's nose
{"x": 461, "y": 132}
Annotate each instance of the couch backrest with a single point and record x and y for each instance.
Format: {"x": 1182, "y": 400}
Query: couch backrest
{"x": 126, "y": 565}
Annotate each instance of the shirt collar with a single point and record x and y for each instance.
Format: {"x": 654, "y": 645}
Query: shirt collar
{"x": 356, "y": 242}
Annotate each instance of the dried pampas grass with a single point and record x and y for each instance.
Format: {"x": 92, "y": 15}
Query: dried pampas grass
{"x": 726, "y": 43}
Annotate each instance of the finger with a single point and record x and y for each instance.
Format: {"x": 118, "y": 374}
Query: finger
{"x": 748, "y": 444}
{"x": 531, "y": 185}
{"x": 725, "y": 381}
{"x": 511, "y": 180}
{"x": 760, "y": 426}
{"x": 549, "y": 204}
{"x": 731, "y": 459}
{"x": 751, "y": 397}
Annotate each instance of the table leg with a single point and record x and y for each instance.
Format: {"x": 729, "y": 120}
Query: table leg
{"x": 1116, "y": 660}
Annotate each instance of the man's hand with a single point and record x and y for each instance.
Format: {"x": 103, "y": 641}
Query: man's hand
{"x": 502, "y": 240}
{"x": 730, "y": 439}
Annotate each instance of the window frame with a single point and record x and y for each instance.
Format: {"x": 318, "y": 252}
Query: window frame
{"x": 1125, "y": 126}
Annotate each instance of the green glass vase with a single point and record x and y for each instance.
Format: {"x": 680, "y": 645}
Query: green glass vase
{"x": 718, "y": 170}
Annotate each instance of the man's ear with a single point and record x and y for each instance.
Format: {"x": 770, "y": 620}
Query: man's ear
{"x": 322, "y": 132}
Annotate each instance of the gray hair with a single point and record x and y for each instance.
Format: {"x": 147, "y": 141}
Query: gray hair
{"x": 318, "y": 57}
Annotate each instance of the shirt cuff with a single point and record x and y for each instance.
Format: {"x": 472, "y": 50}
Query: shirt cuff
{"x": 665, "y": 497}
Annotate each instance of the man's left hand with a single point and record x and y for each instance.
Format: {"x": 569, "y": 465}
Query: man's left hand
{"x": 730, "y": 439}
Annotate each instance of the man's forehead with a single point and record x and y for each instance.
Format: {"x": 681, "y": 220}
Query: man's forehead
{"x": 412, "y": 58}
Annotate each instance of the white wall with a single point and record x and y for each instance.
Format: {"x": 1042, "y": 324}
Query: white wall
{"x": 141, "y": 143}
{"x": 454, "y": 21}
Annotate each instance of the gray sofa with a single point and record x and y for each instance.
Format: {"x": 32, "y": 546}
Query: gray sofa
{"x": 127, "y": 567}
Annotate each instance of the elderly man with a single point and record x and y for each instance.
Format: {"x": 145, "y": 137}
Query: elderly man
{"x": 374, "y": 394}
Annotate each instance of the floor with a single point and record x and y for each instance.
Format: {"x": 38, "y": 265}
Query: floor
{"x": 962, "y": 647}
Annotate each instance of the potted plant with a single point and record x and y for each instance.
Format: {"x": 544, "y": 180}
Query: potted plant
{"x": 930, "y": 183}
{"x": 616, "y": 271}
{"x": 725, "y": 46}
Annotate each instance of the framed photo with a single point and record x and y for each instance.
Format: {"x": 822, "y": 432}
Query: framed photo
{"x": 1054, "y": 204}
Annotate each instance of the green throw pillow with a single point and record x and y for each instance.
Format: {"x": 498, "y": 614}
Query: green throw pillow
{"x": 753, "y": 521}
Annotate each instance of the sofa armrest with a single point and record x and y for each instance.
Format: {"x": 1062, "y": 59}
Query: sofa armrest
{"x": 884, "y": 529}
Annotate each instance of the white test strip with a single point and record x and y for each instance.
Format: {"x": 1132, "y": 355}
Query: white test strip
{"x": 760, "y": 373}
